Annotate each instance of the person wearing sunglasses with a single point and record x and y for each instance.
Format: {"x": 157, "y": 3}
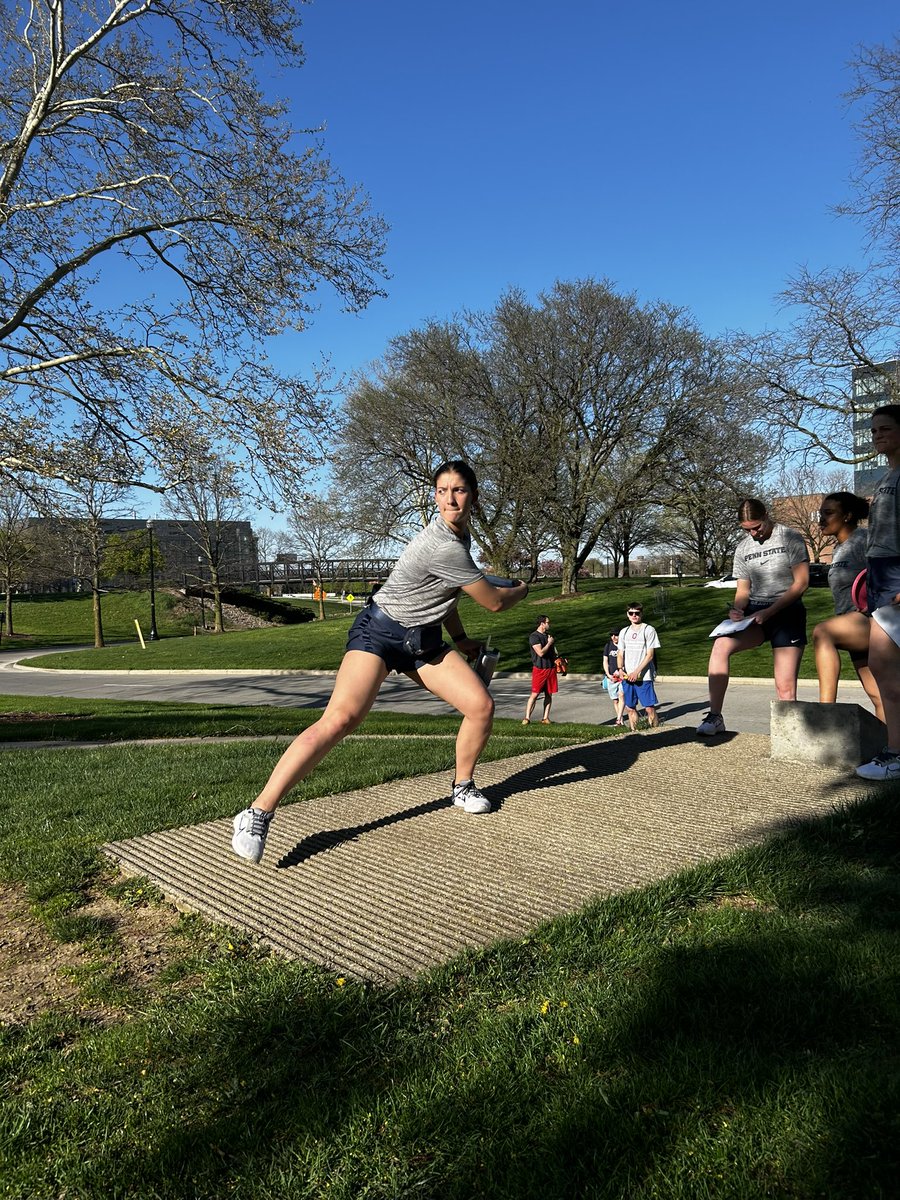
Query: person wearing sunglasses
{"x": 771, "y": 566}
{"x": 637, "y": 662}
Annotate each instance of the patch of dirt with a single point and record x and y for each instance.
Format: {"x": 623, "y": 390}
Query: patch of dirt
{"x": 234, "y": 618}
{"x": 34, "y": 966}
{"x": 15, "y": 717}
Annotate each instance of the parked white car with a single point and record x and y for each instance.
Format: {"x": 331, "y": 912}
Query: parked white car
{"x": 727, "y": 581}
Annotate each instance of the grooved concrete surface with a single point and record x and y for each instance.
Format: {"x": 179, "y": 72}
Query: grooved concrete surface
{"x": 386, "y": 882}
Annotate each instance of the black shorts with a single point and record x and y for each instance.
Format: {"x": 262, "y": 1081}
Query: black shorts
{"x": 787, "y": 627}
{"x": 401, "y": 648}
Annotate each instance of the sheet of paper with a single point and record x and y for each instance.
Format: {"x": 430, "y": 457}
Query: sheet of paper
{"x": 727, "y": 626}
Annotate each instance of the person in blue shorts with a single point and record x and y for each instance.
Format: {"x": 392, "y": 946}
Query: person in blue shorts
{"x": 401, "y": 630}
{"x": 637, "y": 662}
{"x": 612, "y": 676}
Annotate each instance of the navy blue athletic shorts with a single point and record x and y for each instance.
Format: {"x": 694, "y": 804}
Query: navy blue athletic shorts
{"x": 787, "y": 627}
{"x": 401, "y": 648}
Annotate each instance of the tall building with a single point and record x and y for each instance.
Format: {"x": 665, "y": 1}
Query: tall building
{"x": 871, "y": 387}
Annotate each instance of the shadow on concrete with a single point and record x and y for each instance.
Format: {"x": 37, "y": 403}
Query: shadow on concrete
{"x": 328, "y": 839}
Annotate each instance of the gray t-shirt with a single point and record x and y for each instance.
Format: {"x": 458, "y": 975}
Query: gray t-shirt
{"x": 634, "y": 642}
{"x": 424, "y": 586}
{"x": 848, "y": 560}
{"x": 884, "y": 517}
{"x": 768, "y": 564}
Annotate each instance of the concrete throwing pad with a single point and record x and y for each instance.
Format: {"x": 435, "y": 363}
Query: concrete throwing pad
{"x": 386, "y": 882}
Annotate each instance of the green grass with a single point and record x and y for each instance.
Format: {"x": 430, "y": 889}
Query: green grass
{"x": 53, "y": 718}
{"x": 683, "y": 617}
{"x": 732, "y": 1032}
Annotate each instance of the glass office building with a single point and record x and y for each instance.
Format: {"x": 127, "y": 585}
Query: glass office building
{"x": 872, "y": 387}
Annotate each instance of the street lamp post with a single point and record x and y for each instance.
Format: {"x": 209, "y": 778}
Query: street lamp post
{"x": 200, "y": 576}
{"x": 154, "y": 636}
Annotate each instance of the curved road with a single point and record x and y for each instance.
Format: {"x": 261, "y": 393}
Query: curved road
{"x": 682, "y": 700}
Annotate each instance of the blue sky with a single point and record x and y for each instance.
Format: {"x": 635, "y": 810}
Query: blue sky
{"x": 687, "y": 152}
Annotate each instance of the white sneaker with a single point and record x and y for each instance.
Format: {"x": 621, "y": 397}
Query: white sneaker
{"x": 884, "y": 766}
{"x": 711, "y": 724}
{"x": 467, "y": 796}
{"x": 251, "y": 828}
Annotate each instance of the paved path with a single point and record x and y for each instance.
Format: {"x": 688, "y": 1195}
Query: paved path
{"x": 386, "y": 882}
{"x": 682, "y": 700}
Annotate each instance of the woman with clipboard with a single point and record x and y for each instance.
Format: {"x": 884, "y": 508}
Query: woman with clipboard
{"x": 771, "y": 566}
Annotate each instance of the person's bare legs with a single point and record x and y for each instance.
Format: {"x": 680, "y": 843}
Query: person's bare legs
{"x": 529, "y": 707}
{"x": 884, "y": 663}
{"x": 357, "y": 683}
{"x": 548, "y": 700}
{"x": 850, "y": 632}
{"x": 870, "y": 685}
{"x": 454, "y": 681}
{"x": 719, "y": 661}
{"x": 787, "y": 668}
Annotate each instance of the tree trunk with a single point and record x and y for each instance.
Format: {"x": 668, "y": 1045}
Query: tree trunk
{"x": 9, "y": 605}
{"x": 569, "y": 582}
{"x": 218, "y": 618}
{"x": 98, "y": 615}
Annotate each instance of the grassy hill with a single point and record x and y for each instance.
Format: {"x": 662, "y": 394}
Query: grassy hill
{"x": 683, "y": 617}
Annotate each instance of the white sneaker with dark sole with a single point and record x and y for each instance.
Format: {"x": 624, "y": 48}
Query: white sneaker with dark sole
{"x": 251, "y": 827}
{"x": 467, "y": 797}
{"x": 884, "y": 767}
{"x": 711, "y": 724}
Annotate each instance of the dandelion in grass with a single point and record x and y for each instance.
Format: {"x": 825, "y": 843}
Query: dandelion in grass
{"x": 340, "y": 981}
{"x": 545, "y": 1007}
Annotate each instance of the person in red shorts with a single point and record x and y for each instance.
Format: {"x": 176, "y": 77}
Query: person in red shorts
{"x": 543, "y": 670}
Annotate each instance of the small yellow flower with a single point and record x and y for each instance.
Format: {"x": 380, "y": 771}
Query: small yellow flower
{"x": 563, "y": 1004}
{"x": 340, "y": 981}
{"x": 545, "y": 1007}
{"x": 576, "y": 1040}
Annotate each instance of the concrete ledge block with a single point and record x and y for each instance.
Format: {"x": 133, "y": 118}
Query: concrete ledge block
{"x": 833, "y": 735}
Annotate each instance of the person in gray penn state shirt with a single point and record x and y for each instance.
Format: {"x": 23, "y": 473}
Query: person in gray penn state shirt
{"x": 771, "y": 565}
{"x": 400, "y": 630}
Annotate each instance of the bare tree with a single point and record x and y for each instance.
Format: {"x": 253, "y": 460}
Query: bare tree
{"x": 19, "y": 541}
{"x": 801, "y": 490}
{"x": 614, "y": 384}
{"x": 206, "y": 505}
{"x": 79, "y": 508}
{"x": 716, "y": 461}
{"x": 140, "y": 160}
{"x": 320, "y": 528}
{"x": 846, "y": 319}
{"x": 630, "y": 526}
{"x": 539, "y": 398}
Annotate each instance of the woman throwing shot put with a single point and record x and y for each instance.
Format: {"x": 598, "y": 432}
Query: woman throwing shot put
{"x": 771, "y": 565}
{"x": 401, "y": 631}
